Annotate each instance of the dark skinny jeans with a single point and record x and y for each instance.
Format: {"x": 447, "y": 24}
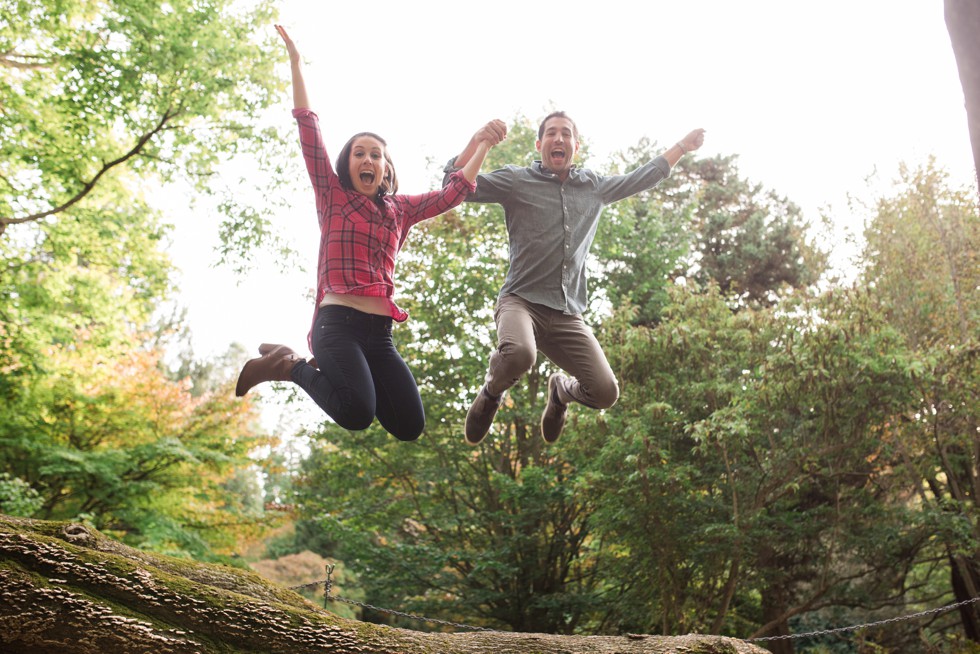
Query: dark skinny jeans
{"x": 361, "y": 376}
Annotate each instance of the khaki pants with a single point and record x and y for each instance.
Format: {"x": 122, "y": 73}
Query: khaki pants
{"x": 523, "y": 328}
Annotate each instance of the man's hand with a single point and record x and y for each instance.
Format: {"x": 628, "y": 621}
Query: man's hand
{"x": 693, "y": 141}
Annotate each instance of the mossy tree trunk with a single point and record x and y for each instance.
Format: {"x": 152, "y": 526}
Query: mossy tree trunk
{"x": 69, "y": 589}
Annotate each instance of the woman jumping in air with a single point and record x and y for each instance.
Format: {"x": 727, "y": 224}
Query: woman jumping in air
{"x": 356, "y": 374}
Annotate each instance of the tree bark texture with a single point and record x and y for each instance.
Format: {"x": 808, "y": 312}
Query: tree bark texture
{"x": 69, "y": 589}
{"x": 963, "y": 24}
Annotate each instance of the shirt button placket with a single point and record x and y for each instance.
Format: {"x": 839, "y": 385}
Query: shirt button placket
{"x": 564, "y": 254}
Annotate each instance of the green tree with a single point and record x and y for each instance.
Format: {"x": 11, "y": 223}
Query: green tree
{"x": 751, "y": 242}
{"x": 922, "y": 260}
{"x": 506, "y": 534}
{"x": 95, "y": 91}
{"x": 708, "y": 225}
{"x": 106, "y": 437}
{"x": 642, "y": 241}
{"x": 17, "y": 497}
{"x": 88, "y": 417}
{"x": 743, "y": 462}
{"x": 496, "y": 535}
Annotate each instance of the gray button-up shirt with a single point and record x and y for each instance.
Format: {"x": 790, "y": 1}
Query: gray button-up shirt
{"x": 551, "y": 225}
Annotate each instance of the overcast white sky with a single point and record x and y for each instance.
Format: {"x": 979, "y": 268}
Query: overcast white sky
{"x": 810, "y": 96}
{"x": 813, "y": 98}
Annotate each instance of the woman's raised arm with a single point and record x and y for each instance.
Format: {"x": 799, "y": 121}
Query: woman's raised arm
{"x": 300, "y": 101}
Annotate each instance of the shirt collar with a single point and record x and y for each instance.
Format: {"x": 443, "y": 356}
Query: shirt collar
{"x": 541, "y": 168}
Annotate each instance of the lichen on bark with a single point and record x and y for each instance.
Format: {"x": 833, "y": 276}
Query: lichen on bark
{"x": 67, "y": 588}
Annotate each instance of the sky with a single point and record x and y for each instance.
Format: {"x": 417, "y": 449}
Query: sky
{"x": 813, "y": 99}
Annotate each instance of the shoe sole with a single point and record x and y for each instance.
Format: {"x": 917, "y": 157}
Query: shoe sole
{"x": 239, "y": 391}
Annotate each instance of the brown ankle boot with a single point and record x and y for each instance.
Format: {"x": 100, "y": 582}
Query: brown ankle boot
{"x": 480, "y": 416}
{"x": 265, "y": 348}
{"x": 275, "y": 364}
{"x": 555, "y": 411}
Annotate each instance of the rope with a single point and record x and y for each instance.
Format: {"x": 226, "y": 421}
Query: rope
{"x": 824, "y": 632}
{"x": 328, "y": 584}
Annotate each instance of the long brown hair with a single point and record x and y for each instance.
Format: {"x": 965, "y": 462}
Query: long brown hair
{"x": 388, "y": 186}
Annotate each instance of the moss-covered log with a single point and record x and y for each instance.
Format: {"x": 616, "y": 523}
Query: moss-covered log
{"x": 66, "y": 588}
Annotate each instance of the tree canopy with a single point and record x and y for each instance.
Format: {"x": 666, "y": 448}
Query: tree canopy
{"x": 93, "y": 423}
{"x": 100, "y": 94}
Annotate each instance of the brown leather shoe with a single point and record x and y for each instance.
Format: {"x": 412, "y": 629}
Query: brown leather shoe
{"x": 555, "y": 411}
{"x": 275, "y": 364}
{"x": 265, "y": 348}
{"x": 480, "y": 416}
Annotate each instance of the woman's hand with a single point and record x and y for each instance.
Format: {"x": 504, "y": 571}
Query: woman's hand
{"x": 300, "y": 101}
{"x": 290, "y": 46}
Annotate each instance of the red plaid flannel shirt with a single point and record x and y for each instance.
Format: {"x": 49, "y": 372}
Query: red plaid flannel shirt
{"x": 358, "y": 244}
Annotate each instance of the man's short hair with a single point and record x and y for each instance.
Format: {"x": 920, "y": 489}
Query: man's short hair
{"x": 557, "y": 114}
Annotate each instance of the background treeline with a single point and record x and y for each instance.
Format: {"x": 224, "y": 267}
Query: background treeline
{"x": 790, "y": 453}
{"x": 794, "y": 449}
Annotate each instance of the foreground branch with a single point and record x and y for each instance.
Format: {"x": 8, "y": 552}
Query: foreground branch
{"x": 87, "y": 187}
{"x": 69, "y": 589}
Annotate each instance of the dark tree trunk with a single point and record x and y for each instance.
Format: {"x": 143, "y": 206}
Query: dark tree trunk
{"x": 773, "y": 612}
{"x": 963, "y": 24}
{"x": 68, "y": 589}
{"x": 964, "y": 580}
